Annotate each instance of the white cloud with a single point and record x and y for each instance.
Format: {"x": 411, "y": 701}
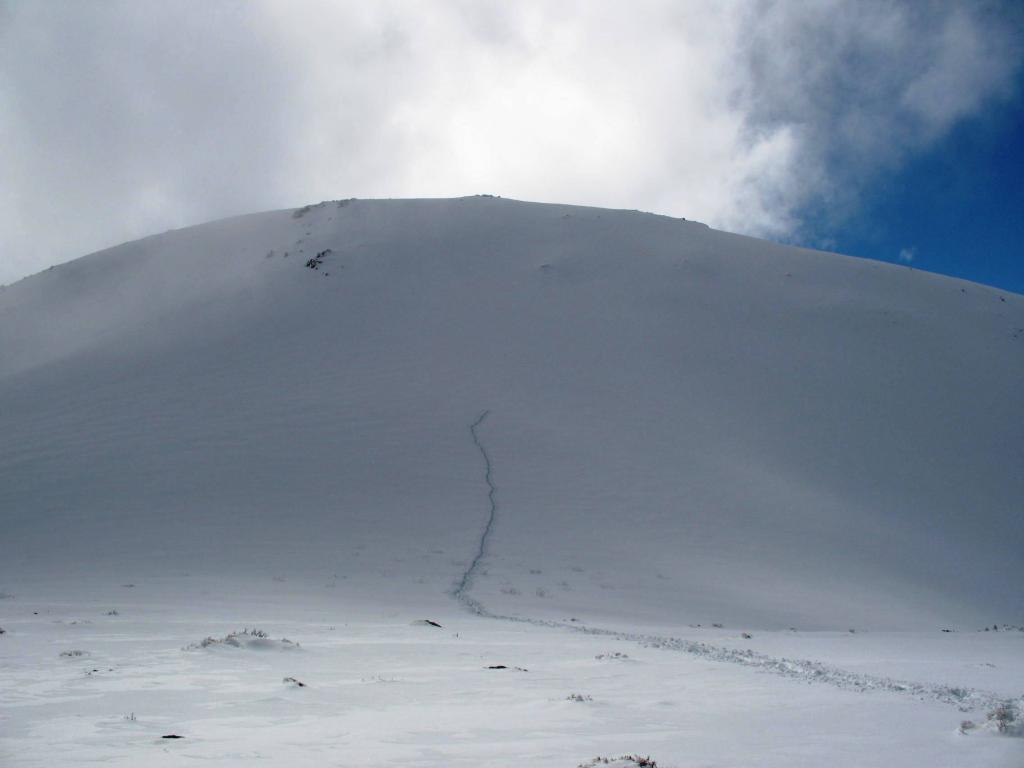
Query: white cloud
{"x": 121, "y": 119}
{"x": 907, "y": 255}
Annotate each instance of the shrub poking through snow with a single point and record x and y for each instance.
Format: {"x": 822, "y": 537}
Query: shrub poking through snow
{"x": 1007, "y": 719}
{"x": 626, "y": 761}
{"x": 293, "y": 681}
{"x": 246, "y": 638}
{"x": 73, "y": 654}
{"x": 581, "y": 697}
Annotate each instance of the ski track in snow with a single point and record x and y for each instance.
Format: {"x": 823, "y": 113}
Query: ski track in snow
{"x": 965, "y": 699}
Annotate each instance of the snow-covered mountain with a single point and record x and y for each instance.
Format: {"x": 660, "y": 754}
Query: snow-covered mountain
{"x": 683, "y": 426}
{"x": 733, "y": 429}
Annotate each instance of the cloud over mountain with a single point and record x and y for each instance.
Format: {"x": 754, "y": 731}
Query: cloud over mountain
{"x": 132, "y": 117}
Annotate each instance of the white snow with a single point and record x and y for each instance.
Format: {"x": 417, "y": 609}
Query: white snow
{"x": 561, "y": 433}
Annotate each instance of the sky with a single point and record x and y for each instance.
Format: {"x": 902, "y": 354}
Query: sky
{"x": 871, "y": 127}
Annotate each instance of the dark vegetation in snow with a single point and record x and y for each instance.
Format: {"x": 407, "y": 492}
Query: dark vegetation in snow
{"x": 621, "y": 762}
{"x": 1006, "y": 718}
{"x": 318, "y": 260}
{"x": 246, "y": 638}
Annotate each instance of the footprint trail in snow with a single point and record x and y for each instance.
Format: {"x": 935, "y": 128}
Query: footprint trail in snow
{"x": 966, "y": 699}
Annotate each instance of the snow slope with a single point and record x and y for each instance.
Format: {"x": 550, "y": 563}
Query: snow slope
{"x": 784, "y": 436}
{"x": 684, "y": 427}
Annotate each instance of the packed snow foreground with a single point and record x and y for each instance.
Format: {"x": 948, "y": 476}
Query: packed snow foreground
{"x": 481, "y": 482}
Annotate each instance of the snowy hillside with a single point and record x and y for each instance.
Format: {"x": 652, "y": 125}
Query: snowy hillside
{"x": 278, "y": 416}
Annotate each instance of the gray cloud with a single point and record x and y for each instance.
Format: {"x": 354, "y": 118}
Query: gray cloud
{"x": 120, "y": 119}
{"x": 863, "y": 84}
